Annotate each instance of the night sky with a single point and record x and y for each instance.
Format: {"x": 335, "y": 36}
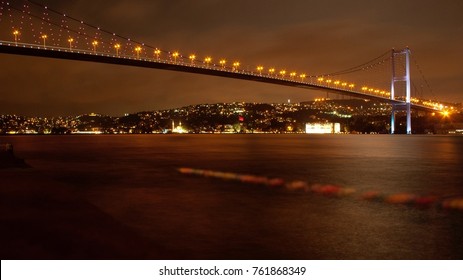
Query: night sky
{"x": 314, "y": 36}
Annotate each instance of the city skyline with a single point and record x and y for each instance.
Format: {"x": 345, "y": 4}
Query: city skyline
{"x": 294, "y": 34}
{"x": 353, "y": 116}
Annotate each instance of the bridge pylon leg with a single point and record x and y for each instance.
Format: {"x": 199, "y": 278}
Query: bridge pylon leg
{"x": 404, "y": 78}
{"x": 409, "y": 119}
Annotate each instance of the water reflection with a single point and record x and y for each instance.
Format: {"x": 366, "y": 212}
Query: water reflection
{"x": 133, "y": 180}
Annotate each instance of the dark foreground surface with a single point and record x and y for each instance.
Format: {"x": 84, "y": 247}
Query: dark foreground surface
{"x": 121, "y": 197}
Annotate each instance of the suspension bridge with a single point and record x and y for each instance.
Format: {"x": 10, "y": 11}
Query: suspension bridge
{"x": 32, "y": 29}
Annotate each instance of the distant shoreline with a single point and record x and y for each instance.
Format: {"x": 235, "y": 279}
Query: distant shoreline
{"x": 254, "y": 133}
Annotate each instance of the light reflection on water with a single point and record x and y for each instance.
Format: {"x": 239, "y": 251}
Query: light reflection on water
{"x": 134, "y": 180}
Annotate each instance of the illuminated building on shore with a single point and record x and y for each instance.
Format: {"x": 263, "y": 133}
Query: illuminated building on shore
{"x": 322, "y": 128}
{"x": 178, "y": 129}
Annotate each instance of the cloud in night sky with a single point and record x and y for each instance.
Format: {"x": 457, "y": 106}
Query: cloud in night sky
{"x": 312, "y": 36}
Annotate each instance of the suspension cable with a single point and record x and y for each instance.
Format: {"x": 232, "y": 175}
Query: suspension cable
{"x": 91, "y": 26}
{"x": 424, "y": 78}
{"x": 360, "y": 66}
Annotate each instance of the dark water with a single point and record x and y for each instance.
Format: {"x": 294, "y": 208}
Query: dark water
{"x": 133, "y": 180}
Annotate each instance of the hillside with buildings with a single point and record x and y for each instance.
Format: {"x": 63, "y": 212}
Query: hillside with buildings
{"x": 318, "y": 116}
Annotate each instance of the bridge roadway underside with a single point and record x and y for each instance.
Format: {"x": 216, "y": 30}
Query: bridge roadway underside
{"x": 76, "y": 55}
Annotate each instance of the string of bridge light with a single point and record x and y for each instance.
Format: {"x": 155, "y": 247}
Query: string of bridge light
{"x": 271, "y": 72}
{"x": 235, "y": 66}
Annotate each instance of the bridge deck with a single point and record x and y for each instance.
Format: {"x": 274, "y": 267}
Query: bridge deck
{"x": 83, "y": 55}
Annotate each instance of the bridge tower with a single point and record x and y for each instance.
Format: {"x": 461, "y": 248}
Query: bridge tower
{"x": 399, "y": 77}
